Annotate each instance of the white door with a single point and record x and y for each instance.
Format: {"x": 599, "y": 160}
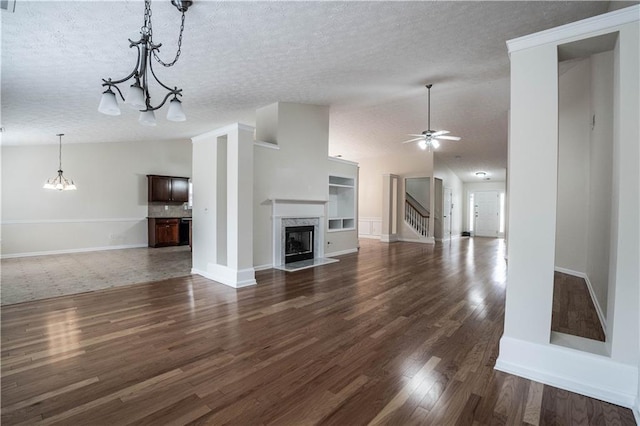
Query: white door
{"x": 447, "y": 212}
{"x": 487, "y": 213}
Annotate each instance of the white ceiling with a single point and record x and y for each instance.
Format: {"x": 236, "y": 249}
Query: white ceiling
{"x": 368, "y": 60}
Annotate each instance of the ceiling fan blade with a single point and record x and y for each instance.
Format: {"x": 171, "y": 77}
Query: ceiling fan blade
{"x": 422, "y": 135}
{"x": 441, "y": 132}
{"x": 450, "y": 138}
{"x": 413, "y": 140}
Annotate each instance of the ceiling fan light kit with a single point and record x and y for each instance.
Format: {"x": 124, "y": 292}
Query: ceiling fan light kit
{"x": 138, "y": 96}
{"x": 429, "y": 139}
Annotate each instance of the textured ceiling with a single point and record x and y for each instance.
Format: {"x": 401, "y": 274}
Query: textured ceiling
{"x": 368, "y": 60}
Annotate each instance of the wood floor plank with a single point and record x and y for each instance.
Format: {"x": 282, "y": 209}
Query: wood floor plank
{"x": 395, "y": 334}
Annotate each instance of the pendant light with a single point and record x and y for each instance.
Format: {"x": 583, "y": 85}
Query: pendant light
{"x": 138, "y": 96}
{"x": 59, "y": 182}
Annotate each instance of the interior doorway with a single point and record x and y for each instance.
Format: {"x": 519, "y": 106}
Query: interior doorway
{"x": 447, "y": 213}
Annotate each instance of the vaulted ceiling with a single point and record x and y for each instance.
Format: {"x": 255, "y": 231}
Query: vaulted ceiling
{"x": 369, "y": 61}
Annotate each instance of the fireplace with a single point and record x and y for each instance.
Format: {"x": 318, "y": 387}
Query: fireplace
{"x": 299, "y": 243}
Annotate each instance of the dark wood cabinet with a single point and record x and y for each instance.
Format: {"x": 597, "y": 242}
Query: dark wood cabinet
{"x": 163, "y": 232}
{"x": 168, "y": 189}
{"x": 180, "y": 189}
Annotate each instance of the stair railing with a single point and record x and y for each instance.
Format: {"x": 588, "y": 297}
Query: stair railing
{"x": 416, "y": 215}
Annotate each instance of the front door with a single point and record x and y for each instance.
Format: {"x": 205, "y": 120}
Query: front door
{"x": 487, "y": 213}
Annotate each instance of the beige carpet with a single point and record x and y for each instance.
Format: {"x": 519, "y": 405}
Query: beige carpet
{"x": 42, "y": 277}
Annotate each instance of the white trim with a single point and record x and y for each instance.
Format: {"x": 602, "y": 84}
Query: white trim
{"x": 426, "y": 240}
{"x": 50, "y": 221}
{"x": 588, "y": 374}
{"x": 230, "y": 128}
{"x": 574, "y": 29}
{"x": 341, "y": 160}
{"x": 296, "y": 201}
{"x": 369, "y": 236}
{"x": 68, "y": 251}
{"x": 266, "y": 145}
{"x": 263, "y": 267}
{"x": 228, "y": 276}
{"x": 341, "y": 252}
{"x": 386, "y": 238}
{"x": 636, "y": 411}
{"x": 601, "y": 317}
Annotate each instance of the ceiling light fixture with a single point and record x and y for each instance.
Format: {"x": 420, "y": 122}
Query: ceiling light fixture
{"x": 138, "y": 96}
{"x": 429, "y": 138}
{"x": 60, "y": 182}
{"x": 481, "y": 174}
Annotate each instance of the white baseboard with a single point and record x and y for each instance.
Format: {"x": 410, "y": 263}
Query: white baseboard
{"x": 588, "y": 374}
{"x": 68, "y": 251}
{"x": 371, "y": 237}
{"x": 341, "y": 252}
{"x": 228, "y": 276}
{"x": 263, "y": 267}
{"x": 601, "y": 317}
{"x": 386, "y": 238}
{"x": 427, "y": 240}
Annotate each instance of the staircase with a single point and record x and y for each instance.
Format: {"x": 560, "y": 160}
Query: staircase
{"x": 416, "y": 216}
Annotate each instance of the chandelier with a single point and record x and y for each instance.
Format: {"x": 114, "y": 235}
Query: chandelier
{"x": 60, "y": 182}
{"x": 138, "y": 96}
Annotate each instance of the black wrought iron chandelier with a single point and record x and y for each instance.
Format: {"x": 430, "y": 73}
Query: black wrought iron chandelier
{"x": 138, "y": 96}
{"x": 59, "y": 182}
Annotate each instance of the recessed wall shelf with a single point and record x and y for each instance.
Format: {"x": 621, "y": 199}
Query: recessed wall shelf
{"x": 341, "y": 206}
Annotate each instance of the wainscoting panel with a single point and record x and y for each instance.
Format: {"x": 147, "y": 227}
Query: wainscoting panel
{"x": 370, "y": 227}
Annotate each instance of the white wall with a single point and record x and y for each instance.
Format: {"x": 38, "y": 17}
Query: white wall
{"x": 573, "y": 166}
{"x": 451, "y": 181}
{"x": 418, "y": 188}
{"x": 601, "y": 176}
{"x": 109, "y": 208}
{"x": 583, "y": 227}
{"x": 297, "y": 167}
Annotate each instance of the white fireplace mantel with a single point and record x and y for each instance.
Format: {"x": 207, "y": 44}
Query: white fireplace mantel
{"x": 287, "y": 208}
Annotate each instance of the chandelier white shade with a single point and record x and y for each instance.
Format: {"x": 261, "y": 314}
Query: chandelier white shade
{"x": 175, "y": 112}
{"x": 108, "y": 103}
{"x": 138, "y": 96}
{"x": 59, "y": 182}
{"x": 147, "y": 118}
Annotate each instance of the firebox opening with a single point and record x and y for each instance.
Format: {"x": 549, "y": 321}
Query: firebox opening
{"x": 298, "y": 243}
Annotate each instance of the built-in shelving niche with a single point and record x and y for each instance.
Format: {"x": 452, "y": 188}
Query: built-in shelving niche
{"x": 341, "y": 206}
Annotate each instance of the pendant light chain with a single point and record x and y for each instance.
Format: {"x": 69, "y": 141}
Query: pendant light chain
{"x": 149, "y": 28}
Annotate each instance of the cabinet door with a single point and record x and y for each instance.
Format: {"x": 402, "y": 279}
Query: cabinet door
{"x": 180, "y": 189}
{"x": 167, "y": 233}
{"x": 159, "y": 188}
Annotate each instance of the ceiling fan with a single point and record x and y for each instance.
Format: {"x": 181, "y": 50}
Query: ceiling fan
{"x": 430, "y": 138}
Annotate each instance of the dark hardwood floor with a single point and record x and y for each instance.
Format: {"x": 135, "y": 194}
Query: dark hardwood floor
{"x": 400, "y": 334}
{"x": 573, "y": 310}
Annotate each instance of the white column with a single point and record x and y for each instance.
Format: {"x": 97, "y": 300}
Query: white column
{"x": 223, "y": 205}
{"x": 388, "y": 214}
{"x": 240, "y": 207}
